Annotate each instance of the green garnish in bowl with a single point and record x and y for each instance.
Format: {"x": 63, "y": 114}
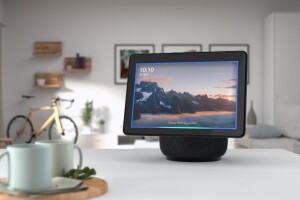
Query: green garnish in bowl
{"x": 81, "y": 174}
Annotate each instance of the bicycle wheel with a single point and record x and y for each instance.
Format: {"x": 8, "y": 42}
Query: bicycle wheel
{"x": 20, "y": 129}
{"x": 70, "y": 130}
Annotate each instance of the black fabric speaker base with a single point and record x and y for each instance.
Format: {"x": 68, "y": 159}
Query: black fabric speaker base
{"x": 180, "y": 159}
{"x": 193, "y": 149}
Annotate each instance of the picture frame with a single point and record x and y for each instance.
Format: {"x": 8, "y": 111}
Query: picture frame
{"x": 122, "y": 55}
{"x": 233, "y": 47}
{"x": 178, "y": 48}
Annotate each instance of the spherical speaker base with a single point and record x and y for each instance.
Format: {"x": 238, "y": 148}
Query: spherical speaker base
{"x": 193, "y": 149}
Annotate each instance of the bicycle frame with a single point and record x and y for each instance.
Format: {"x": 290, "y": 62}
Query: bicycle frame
{"x": 53, "y": 116}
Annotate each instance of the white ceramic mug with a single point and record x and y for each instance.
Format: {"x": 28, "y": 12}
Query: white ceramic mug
{"x": 62, "y": 155}
{"x": 29, "y": 167}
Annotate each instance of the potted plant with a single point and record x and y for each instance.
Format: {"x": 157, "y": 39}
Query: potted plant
{"x": 87, "y": 115}
{"x": 40, "y": 78}
{"x": 69, "y": 64}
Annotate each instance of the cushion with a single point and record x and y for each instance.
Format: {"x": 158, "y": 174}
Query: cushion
{"x": 262, "y": 131}
{"x": 288, "y": 120}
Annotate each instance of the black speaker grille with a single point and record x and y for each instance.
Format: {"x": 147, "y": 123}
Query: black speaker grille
{"x": 193, "y": 148}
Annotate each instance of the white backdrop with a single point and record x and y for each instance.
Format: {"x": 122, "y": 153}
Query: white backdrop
{"x": 93, "y": 27}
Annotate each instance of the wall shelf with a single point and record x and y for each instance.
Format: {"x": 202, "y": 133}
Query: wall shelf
{"x": 48, "y": 86}
{"x": 52, "y": 81}
{"x": 71, "y": 62}
{"x": 78, "y": 70}
{"x": 47, "y": 49}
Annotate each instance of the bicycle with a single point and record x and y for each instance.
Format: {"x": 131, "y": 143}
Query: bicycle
{"x": 23, "y": 128}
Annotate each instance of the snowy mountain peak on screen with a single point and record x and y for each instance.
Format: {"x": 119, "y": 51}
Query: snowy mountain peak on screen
{"x": 150, "y": 98}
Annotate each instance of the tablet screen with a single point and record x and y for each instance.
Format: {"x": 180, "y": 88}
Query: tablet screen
{"x": 185, "y": 95}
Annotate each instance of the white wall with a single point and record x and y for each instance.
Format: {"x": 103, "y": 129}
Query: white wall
{"x": 287, "y": 31}
{"x": 269, "y": 70}
{"x": 282, "y": 70}
{"x": 1, "y": 11}
{"x": 93, "y": 27}
{"x": 287, "y": 42}
{"x": 1, "y": 27}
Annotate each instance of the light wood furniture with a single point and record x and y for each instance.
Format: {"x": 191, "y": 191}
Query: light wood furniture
{"x": 53, "y": 80}
{"x": 47, "y": 49}
{"x": 72, "y": 61}
{"x": 97, "y": 187}
{"x": 4, "y": 142}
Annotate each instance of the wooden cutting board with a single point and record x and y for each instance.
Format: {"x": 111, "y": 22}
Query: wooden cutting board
{"x": 97, "y": 187}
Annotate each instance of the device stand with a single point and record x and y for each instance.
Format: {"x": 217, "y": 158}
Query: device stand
{"x": 193, "y": 149}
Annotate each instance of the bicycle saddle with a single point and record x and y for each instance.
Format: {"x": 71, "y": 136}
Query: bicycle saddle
{"x": 28, "y": 96}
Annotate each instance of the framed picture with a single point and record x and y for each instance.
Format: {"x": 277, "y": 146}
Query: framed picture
{"x": 233, "y": 47}
{"x": 176, "y": 48}
{"x": 122, "y": 55}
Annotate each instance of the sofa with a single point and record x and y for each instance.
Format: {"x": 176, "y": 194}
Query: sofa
{"x": 282, "y": 142}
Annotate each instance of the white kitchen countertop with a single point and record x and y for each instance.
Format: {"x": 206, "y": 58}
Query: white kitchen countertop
{"x": 240, "y": 174}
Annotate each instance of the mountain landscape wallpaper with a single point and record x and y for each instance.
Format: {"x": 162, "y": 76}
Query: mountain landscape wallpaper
{"x": 198, "y": 95}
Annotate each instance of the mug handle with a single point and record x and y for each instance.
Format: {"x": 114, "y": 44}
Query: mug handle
{"x": 80, "y": 156}
{"x": 7, "y": 183}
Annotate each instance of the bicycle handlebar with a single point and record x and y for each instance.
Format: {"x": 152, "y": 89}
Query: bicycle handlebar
{"x": 55, "y": 100}
{"x": 28, "y": 96}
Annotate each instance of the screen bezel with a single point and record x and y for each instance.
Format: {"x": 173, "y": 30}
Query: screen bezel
{"x": 239, "y": 56}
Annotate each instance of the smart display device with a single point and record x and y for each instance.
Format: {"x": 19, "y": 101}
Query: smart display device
{"x": 188, "y": 99}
